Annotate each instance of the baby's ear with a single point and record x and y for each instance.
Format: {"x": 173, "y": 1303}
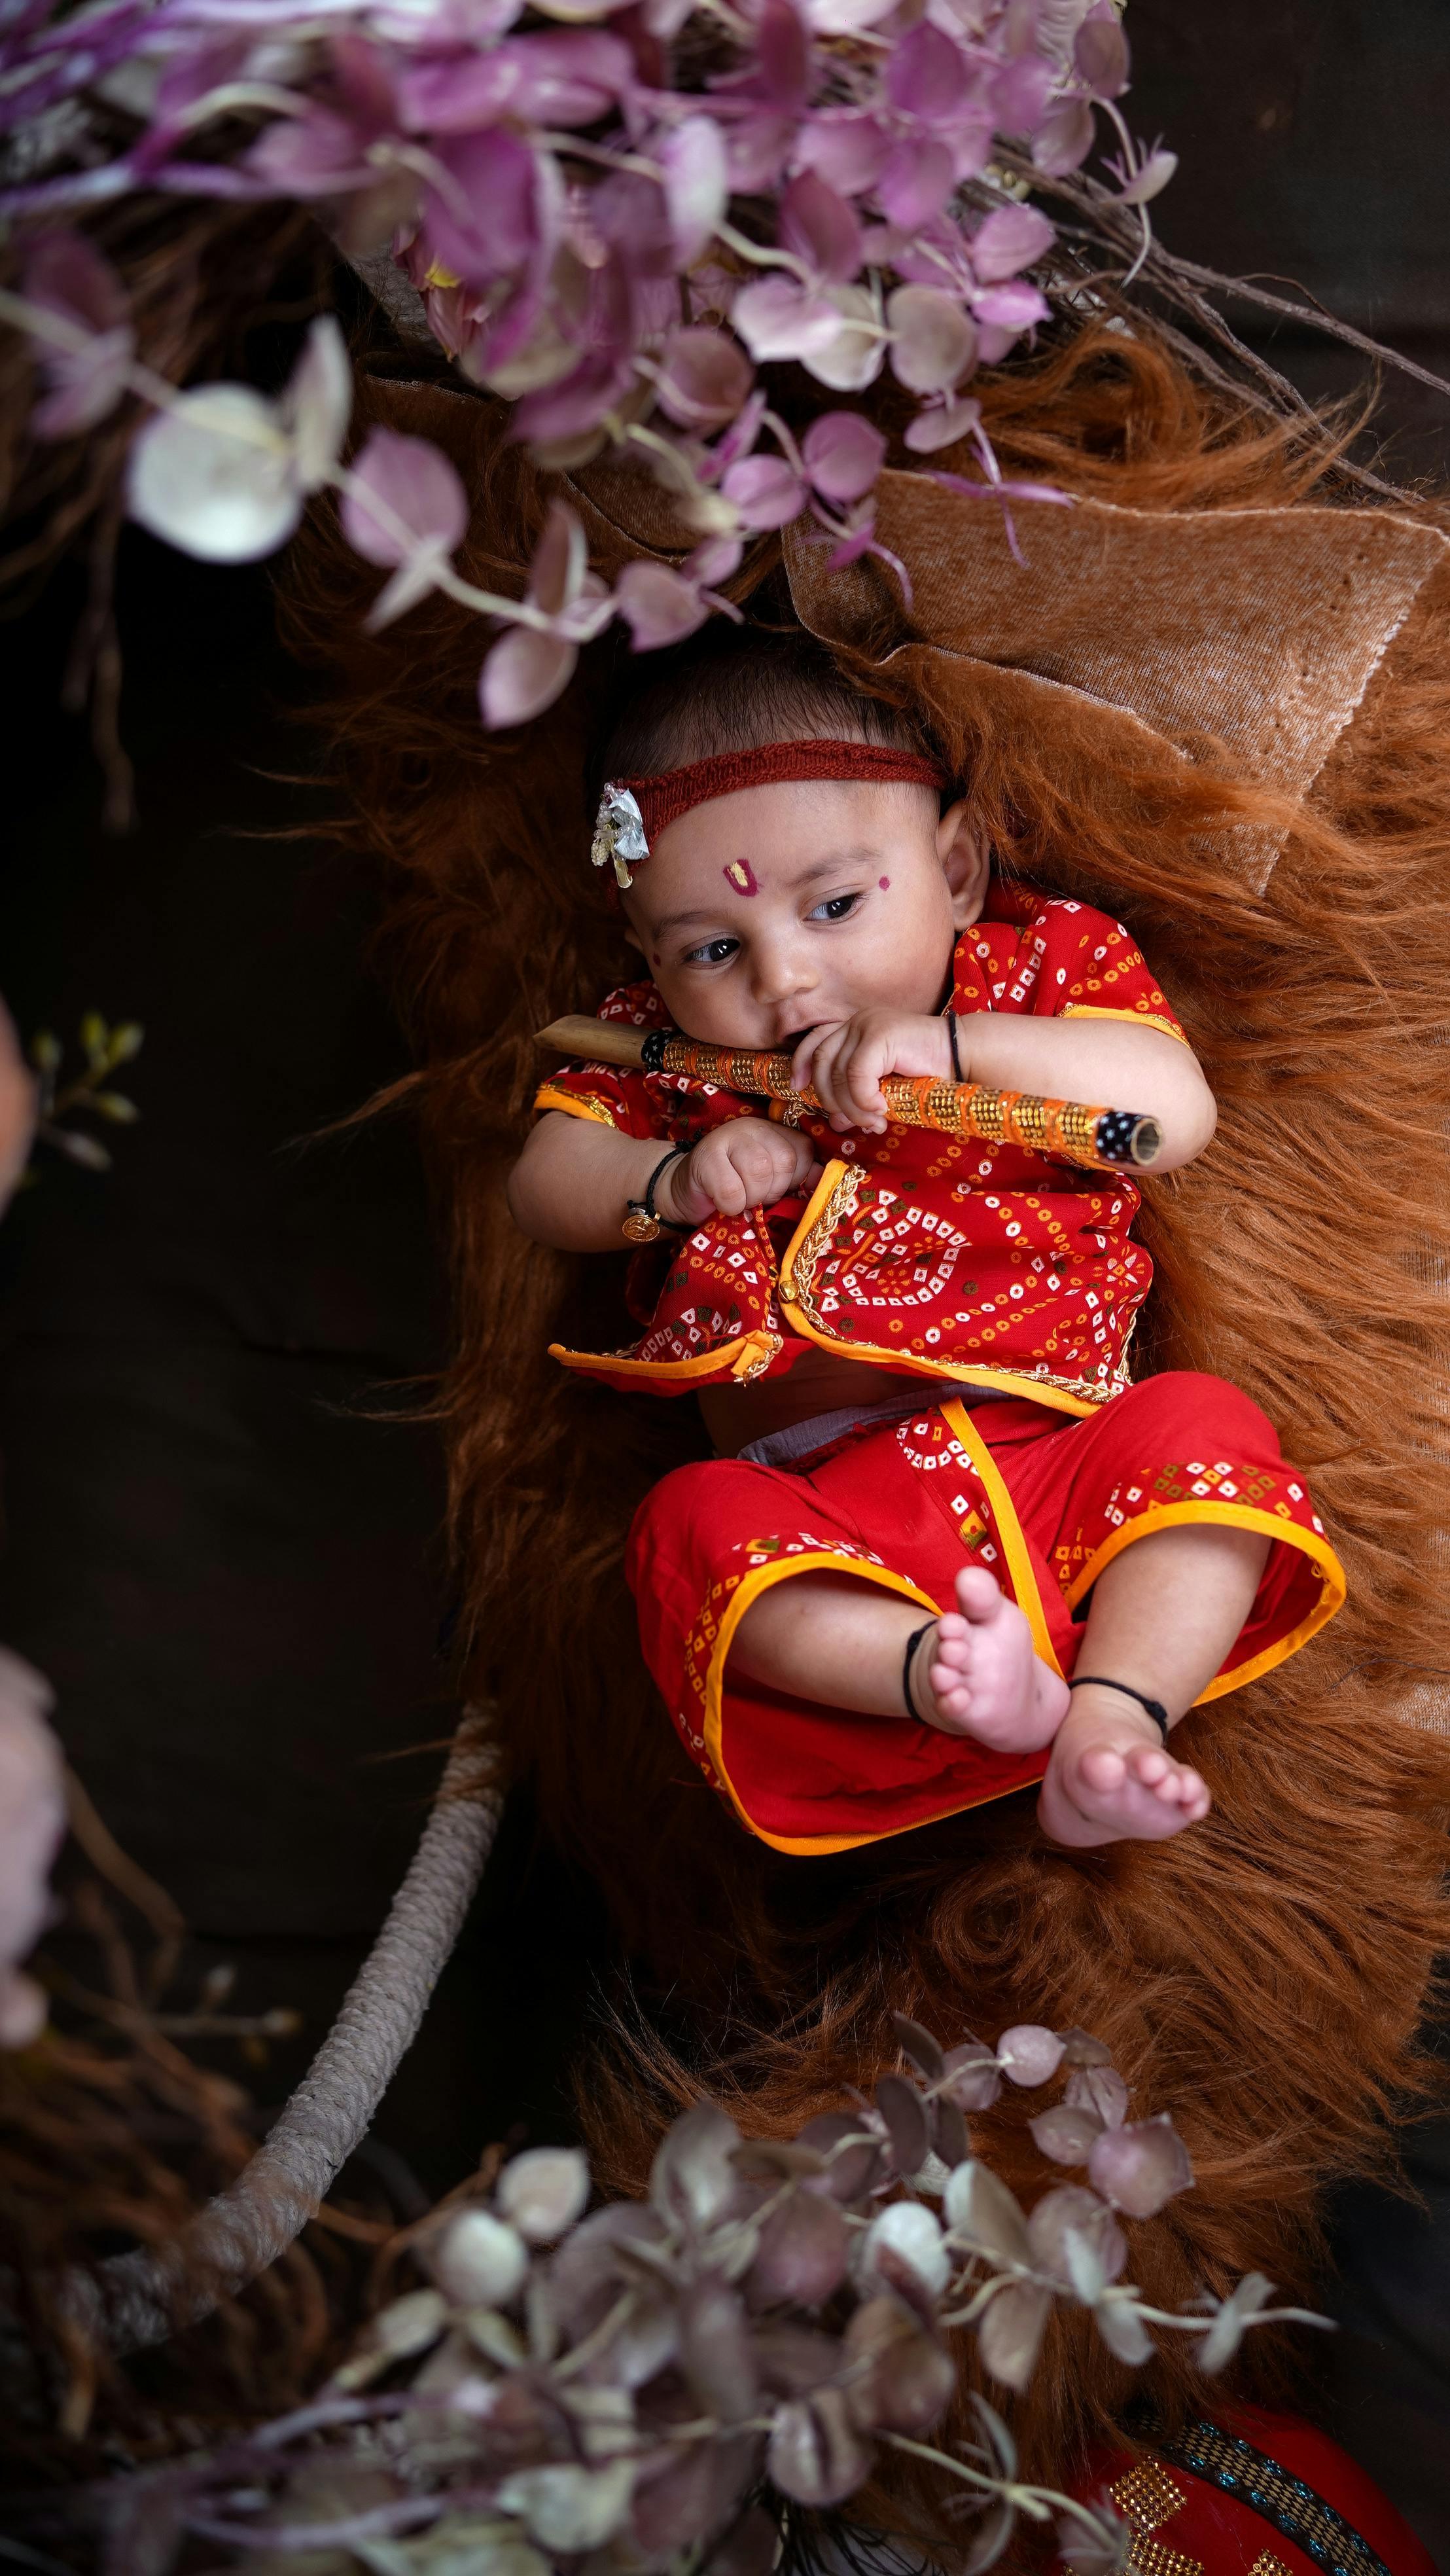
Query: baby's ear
{"x": 966, "y": 862}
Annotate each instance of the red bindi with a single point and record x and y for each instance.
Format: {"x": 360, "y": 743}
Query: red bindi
{"x": 885, "y": 884}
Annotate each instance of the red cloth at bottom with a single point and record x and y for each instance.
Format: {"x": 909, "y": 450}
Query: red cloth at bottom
{"x": 1042, "y": 1503}
{"x": 1249, "y": 2493}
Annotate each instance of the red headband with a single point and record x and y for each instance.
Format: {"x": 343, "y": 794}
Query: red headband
{"x": 664, "y": 799}
{"x": 661, "y": 800}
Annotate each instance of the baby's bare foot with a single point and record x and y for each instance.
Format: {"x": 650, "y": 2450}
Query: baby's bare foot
{"x": 977, "y": 1673}
{"x": 1110, "y": 1778}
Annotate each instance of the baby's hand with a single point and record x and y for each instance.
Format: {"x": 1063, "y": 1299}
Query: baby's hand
{"x": 844, "y": 1061}
{"x": 747, "y": 1163}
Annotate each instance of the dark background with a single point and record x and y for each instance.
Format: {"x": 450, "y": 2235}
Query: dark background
{"x": 220, "y": 1525}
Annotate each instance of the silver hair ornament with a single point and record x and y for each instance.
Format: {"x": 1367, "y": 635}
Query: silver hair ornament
{"x": 619, "y": 837}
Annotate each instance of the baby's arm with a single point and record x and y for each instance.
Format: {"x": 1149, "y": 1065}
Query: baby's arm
{"x": 1114, "y": 1064}
{"x": 575, "y": 1177}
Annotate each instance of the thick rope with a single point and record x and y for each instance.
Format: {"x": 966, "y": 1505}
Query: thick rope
{"x": 142, "y": 2298}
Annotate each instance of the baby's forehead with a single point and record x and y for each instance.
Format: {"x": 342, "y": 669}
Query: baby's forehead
{"x": 795, "y": 829}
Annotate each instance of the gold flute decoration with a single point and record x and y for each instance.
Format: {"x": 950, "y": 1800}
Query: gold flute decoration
{"x": 1097, "y": 1138}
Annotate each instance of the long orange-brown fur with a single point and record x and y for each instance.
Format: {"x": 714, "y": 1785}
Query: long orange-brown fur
{"x": 1262, "y": 1975}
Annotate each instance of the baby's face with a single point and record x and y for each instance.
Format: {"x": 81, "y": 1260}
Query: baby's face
{"x": 766, "y": 913}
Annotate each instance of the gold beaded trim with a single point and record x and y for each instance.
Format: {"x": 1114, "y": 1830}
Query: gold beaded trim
{"x": 1146, "y": 2495}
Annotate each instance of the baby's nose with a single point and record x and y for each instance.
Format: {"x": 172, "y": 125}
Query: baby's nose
{"x": 782, "y": 977}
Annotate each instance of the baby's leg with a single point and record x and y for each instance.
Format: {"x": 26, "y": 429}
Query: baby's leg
{"x": 1164, "y": 1614}
{"x": 974, "y": 1671}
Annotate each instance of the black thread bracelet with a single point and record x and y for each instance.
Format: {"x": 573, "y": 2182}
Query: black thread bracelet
{"x": 955, "y": 1048}
{"x": 1099, "y": 1681}
{"x": 643, "y": 1220}
{"x": 913, "y": 1641}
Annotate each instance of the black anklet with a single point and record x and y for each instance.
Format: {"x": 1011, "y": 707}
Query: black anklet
{"x": 913, "y": 1641}
{"x": 1098, "y": 1681}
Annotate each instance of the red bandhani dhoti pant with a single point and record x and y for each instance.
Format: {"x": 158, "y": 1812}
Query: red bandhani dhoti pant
{"x": 1042, "y": 1503}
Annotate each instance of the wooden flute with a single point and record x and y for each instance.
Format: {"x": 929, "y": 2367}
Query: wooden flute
{"x": 1097, "y": 1138}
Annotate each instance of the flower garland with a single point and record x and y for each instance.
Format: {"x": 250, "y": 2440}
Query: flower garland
{"x": 619, "y": 218}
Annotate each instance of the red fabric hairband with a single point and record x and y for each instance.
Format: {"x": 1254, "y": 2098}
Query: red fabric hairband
{"x": 634, "y": 811}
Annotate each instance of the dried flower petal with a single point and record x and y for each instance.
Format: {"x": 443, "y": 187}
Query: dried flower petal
{"x": 849, "y": 2171}
{"x": 542, "y": 2192}
{"x": 1065, "y": 138}
{"x": 1099, "y": 2089}
{"x": 843, "y": 454}
{"x": 1100, "y": 52}
{"x": 409, "y": 2325}
{"x": 697, "y": 185}
{"x": 1028, "y": 2054}
{"x": 1233, "y": 2316}
{"x": 802, "y": 2254}
{"x": 1149, "y": 180}
{"x": 1142, "y": 2167}
{"x": 404, "y": 498}
{"x": 317, "y": 403}
{"x": 935, "y": 428}
{"x": 524, "y": 673}
{"x": 903, "y": 2248}
{"x": 1073, "y": 2210}
{"x": 570, "y": 2508}
{"x": 904, "y": 2379}
{"x": 693, "y": 2176}
{"x": 658, "y": 605}
{"x": 924, "y": 2052}
{"x": 214, "y": 475}
{"x": 704, "y": 379}
{"x": 780, "y": 318}
{"x": 67, "y": 277}
{"x": 904, "y": 2113}
{"x": 816, "y": 2454}
{"x": 33, "y": 1822}
{"x": 982, "y": 2213}
{"x": 1079, "y": 2048}
{"x": 1009, "y": 2337}
{"x": 479, "y": 2261}
{"x": 851, "y": 358}
{"x": 1067, "y": 2133}
{"x": 933, "y": 341}
{"x": 973, "y": 2079}
{"x": 765, "y": 490}
{"x": 1009, "y": 240}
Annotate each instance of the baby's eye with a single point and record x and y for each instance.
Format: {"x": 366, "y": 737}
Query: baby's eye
{"x": 837, "y": 907}
{"x": 714, "y": 952}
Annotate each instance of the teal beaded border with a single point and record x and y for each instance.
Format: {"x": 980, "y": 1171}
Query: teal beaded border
{"x": 1225, "y": 2460}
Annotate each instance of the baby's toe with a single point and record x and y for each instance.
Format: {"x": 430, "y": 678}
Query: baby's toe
{"x": 1102, "y": 1768}
{"x": 979, "y": 1597}
{"x": 1150, "y": 1765}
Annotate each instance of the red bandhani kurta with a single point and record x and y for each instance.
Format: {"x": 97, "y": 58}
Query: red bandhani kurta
{"x": 983, "y": 1265}
{"x": 989, "y": 1272}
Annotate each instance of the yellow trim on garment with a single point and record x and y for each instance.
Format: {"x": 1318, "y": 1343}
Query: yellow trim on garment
{"x": 573, "y": 1105}
{"x": 909, "y": 1363}
{"x": 758, "y": 1580}
{"x": 744, "y": 1357}
{"x": 1140, "y": 1019}
{"x": 1008, "y": 1528}
{"x": 1232, "y": 1516}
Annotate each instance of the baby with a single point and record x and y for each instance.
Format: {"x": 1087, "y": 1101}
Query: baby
{"x": 946, "y": 1547}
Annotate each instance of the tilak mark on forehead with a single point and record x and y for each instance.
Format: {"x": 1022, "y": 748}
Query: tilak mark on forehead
{"x": 741, "y": 875}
